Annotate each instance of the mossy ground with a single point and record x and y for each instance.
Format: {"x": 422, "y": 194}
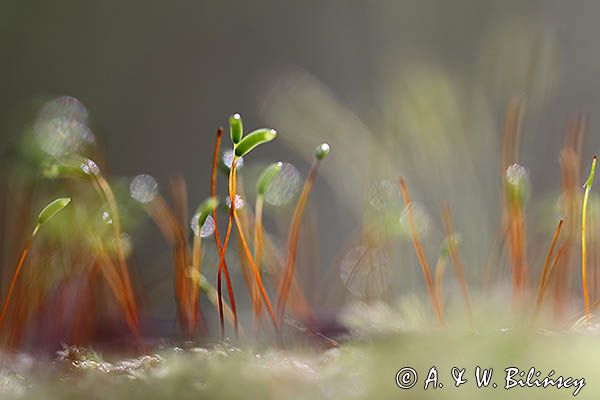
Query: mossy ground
{"x": 363, "y": 367}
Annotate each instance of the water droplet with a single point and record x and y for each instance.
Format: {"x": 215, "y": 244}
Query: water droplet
{"x": 143, "y": 188}
{"x": 90, "y": 167}
{"x": 516, "y": 175}
{"x": 420, "y": 219}
{"x": 366, "y": 271}
{"x": 228, "y": 159}
{"x": 61, "y": 136}
{"x": 126, "y": 243}
{"x": 383, "y": 194}
{"x": 106, "y": 217}
{"x": 206, "y": 230}
{"x": 239, "y": 202}
{"x": 64, "y": 107}
{"x": 284, "y": 186}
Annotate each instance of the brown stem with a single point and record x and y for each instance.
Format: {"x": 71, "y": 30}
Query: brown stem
{"x": 258, "y": 243}
{"x": 112, "y": 204}
{"x": 458, "y": 268}
{"x": 288, "y": 274}
{"x": 111, "y": 275}
{"x": 220, "y": 248}
{"x": 17, "y": 271}
{"x": 544, "y": 277}
{"x": 421, "y": 254}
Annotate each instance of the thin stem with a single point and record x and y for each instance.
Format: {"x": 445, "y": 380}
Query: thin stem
{"x": 561, "y": 250}
{"x": 261, "y": 287}
{"x": 212, "y": 295}
{"x": 544, "y": 276}
{"x": 586, "y": 296}
{"x": 258, "y": 243}
{"x": 288, "y": 274}
{"x": 196, "y": 258}
{"x": 196, "y": 253}
{"x": 17, "y": 271}
{"x": 111, "y": 275}
{"x": 221, "y": 249}
{"x": 458, "y": 268}
{"x": 112, "y": 204}
{"x": 588, "y": 187}
{"x": 173, "y": 232}
{"x": 257, "y": 276}
{"x": 421, "y": 254}
{"x": 440, "y": 268}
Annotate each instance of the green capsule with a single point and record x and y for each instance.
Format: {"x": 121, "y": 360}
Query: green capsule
{"x": 266, "y": 177}
{"x": 256, "y": 138}
{"x": 52, "y": 209}
{"x": 205, "y": 209}
{"x": 322, "y": 151}
{"x": 590, "y": 179}
{"x": 236, "y": 128}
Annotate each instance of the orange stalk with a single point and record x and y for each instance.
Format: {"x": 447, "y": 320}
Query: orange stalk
{"x": 111, "y": 275}
{"x": 221, "y": 248}
{"x": 544, "y": 277}
{"x": 112, "y": 204}
{"x": 235, "y": 214}
{"x": 22, "y": 259}
{"x": 173, "y": 232}
{"x": 257, "y": 276}
{"x": 421, "y": 254}
{"x": 288, "y": 274}
{"x": 258, "y": 242}
{"x": 440, "y": 268}
{"x": 460, "y": 275}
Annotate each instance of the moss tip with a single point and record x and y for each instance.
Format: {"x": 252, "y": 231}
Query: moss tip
{"x": 52, "y": 209}
{"x": 322, "y": 151}
{"x": 267, "y": 176}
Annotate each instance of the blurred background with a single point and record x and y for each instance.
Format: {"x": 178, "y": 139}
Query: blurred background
{"x": 411, "y": 88}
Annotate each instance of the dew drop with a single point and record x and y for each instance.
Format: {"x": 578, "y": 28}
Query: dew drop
{"x": 284, "y": 186}
{"x": 516, "y": 175}
{"x": 64, "y": 107}
{"x": 143, "y": 188}
{"x": 228, "y": 159}
{"x": 419, "y": 217}
{"x": 61, "y": 136}
{"x": 106, "y": 217}
{"x": 366, "y": 271}
{"x": 383, "y": 194}
{"x": 90, "y": 167}
{"x": 206, "y": 230}
{"x": 239, "y": 202}
{"x": 61, "y": 126}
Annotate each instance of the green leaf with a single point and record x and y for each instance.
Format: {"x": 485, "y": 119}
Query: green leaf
{"x": 266, "y": 177}
{"x": 52, "y": 209}
{"x": 236, "y": 129}
{"x": 205, "y": 209}
{"x": 322, "y": 151}
{"x": 256, "y": 138}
